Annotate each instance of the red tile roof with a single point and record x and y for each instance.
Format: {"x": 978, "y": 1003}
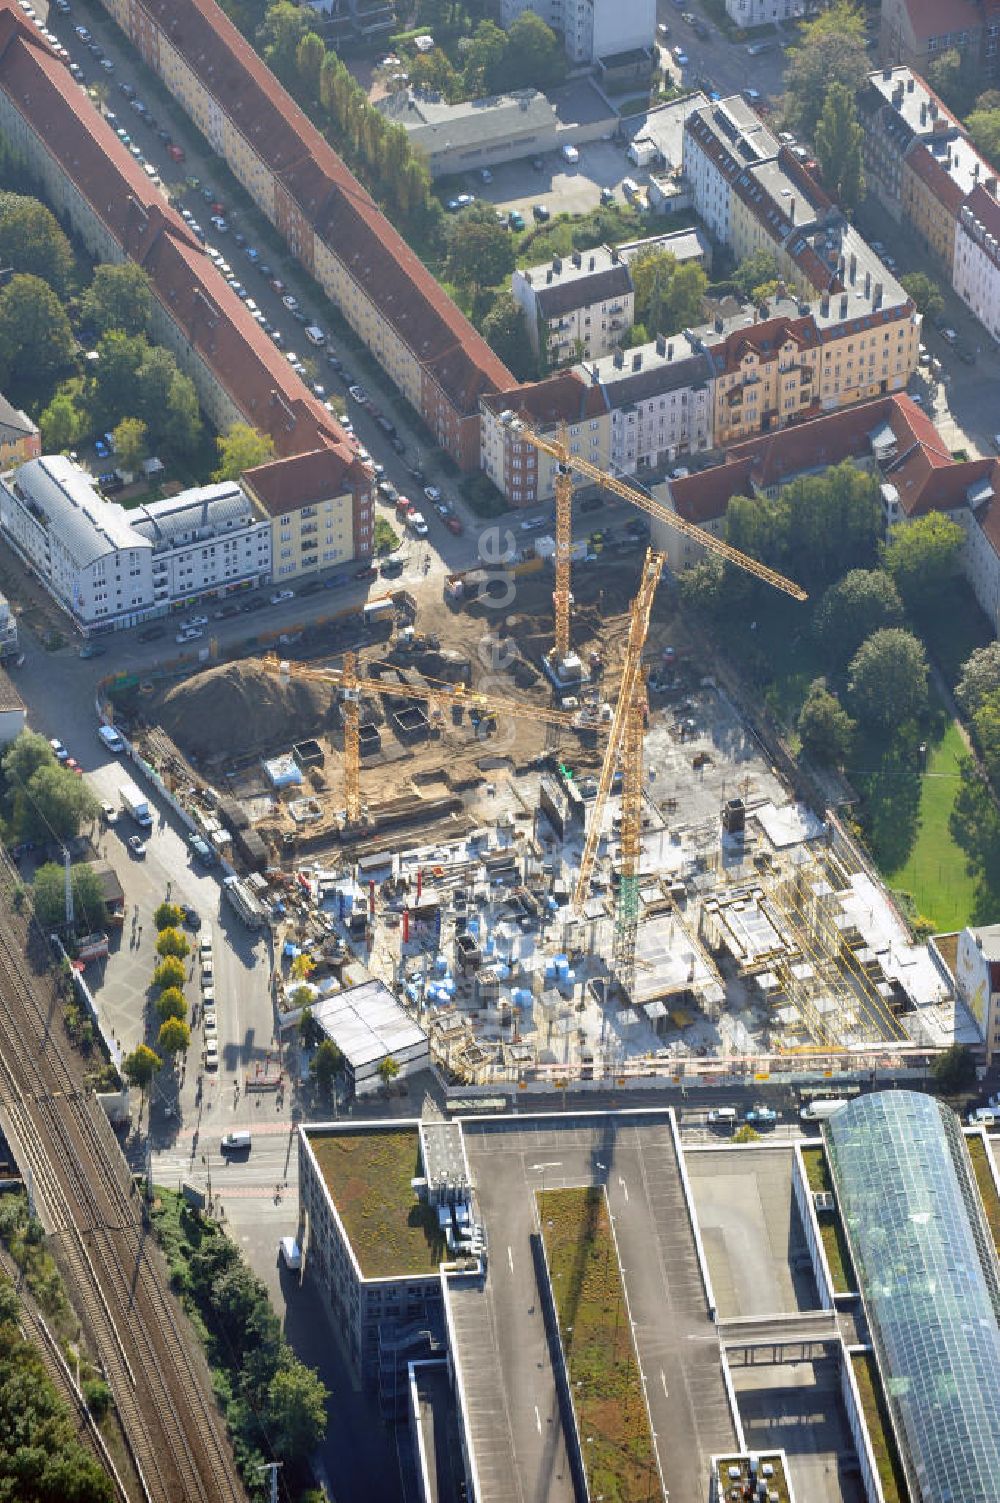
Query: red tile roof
{"x": 766, "y": 337}
{"x": 932, "y": 18}
{"x": 249, "y": 368}
{"x": 562, "y": 398}
{"x": 339, "y": 209}
{"x": 704, "y": 497}
{"x": 986, "y": 208}
{"x": 285, "y": 485}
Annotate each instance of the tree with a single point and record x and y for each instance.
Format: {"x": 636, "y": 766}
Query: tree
{"x": 120, "y": 357}
{"x": 302, "y": 967}
{"x": 296, "y": 1411}
{"x": 279, "y": 35}
{"x": 167, "y": 915}
{"x": 241, "y": 449}
{"x": 925, "y": 292}
{"x": 310, "y": 1031}
{"x": 24, "y": 756}
{"x": 815, "y": 528}
{"x": 61, "y": 423}
{"x": 118, "y": 298}
{"x": 534, "y": 59}
{"x": 49, "y": 892}
{"x": 181, "y": 427}
{"x": 831, "y": 50}
{"x": 986, "y": 729}
{"x": 174, "y": 1036}
{"x": 484, "y": 58}
{"x": 169, "y": 972}
{"x": 955, "y": 76}
{"x": 506, "y": 332}
{"x": 36, "y": 340}
{"x": 984, "y": 128}
{"x": 433, "y": 70}
{"x": 980, "y": 677}
{"x": 954, "y": 1071}
{"x": 746, "y": 1133}
{"x": 170, "y": 1003}
{"x": 752, "y": 273}
{"x": 388, "y": 1068}
{"x": 826, "y": 729}
{"x": 309, "y": 56}
{"x": 887, "y": 680}
{"x": 839, "y": 139}
{"x": 53, "y": 805}
{"x": 863, "y": 601}
{"x": 131, "y": 442}
{"x": 326, "y": 1063}
{"x": 172, "y": 942}
{"x": 480, "y": 251}
{"x": 668, "y": 293}
{"x": 32, "y": 241}
{"x": 922, "y": 557}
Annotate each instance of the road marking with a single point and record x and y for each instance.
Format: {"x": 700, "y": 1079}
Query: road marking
{"x": 624, "y": 1188}
{"x": 538, "y": 1420}
{"x": 663, "y": 1380}
{"x": 510, "y": 1260}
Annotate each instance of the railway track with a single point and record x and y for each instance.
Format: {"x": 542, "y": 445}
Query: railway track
{"x": 85, "y": 1198}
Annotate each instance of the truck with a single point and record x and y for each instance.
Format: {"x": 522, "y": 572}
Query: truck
{"x": 822, "y": 1109}
{"x": 136, "y": 804}
{"x": 246, "y": 902}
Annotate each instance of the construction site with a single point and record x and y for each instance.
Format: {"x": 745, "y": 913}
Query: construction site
{"x": 531, "y": 811}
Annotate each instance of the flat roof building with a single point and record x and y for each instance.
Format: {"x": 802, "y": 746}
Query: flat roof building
{"x": 369, "y": 1026}
{"x": 580, "y": 305}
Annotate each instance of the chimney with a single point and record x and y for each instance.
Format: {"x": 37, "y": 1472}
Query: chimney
{"x": 619, "y": 360}
{"x": 670, "y": 352}
{"x": 614, "y": 253}
{"x": 843, "y": 305}
{"x": 824, "y": 305}
{"x": 909, "y": 84}
{"x": 661, "y": 346}
{"x": 791, "y": 210}
{"x": 548, "y": 276}
{"x": 877, "y": 295}
{"x": 556, "y": 264}
{"x": 990, "y": 184}
{"x": 923, "y": 114}
{"x": 887, "y": 74}
{"x": 595, "y": 376}
{"x": 868, "y": 284}
{"x": 637, "y": 361}
{"x": 577, "y": 260}
{"x": 593, "y": 263}
{"x": 718, "y": 323}
{"x": 932, "y": 108}
{"x": 898, "y": 95}
{"x": 852, "y": 269}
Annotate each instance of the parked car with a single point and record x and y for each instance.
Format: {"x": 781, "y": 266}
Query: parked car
{"x": 541, "y": 213}
{"x": 189, "y": 634}
{"x": 281, "y": 595}
{"x": 61, "y": 754}
{"x": 137, "y": 846}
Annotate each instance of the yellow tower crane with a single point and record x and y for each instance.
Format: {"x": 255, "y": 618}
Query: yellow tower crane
{"x": 443, "y": 695}
{"x": 625, "y": 738}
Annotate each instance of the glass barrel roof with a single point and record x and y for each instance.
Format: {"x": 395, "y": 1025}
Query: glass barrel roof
{"x": 930, "y": 1279}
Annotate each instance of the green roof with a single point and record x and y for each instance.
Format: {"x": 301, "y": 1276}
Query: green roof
{"x": 368, "y": 1174}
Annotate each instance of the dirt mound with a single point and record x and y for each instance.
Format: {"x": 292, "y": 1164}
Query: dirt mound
{"x": 238, "y": 708}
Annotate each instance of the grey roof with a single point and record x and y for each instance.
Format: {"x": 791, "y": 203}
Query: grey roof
{"x": 367, "y": 1024}
{"x": 437, "y": 126}
{"x": 565, "y": 295}
{"x": 13, "y": 420}
{"x": 929, "y": 1275}
{"x": 88, "y": 526}
{"x": 202, "y": 512}
{"x": 691, "y": 244}
{"x": 656, "y": 374}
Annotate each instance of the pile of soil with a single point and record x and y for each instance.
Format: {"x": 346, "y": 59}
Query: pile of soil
{"x": 239, "y": 707}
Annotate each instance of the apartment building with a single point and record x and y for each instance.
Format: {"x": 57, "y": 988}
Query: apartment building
{"x": 925, "y": 169}
{"x": 591, "y": 29}
{"x": 660, "y": 400}
{"x": 110, "y": 568}
{"x": 319, "y": 511}
{"x": 20, "y": 439}
{"x": 522, "y": 474}
{"x": 720, "y": 142}
{"x": 976, "y": 271}
{"x": 578, "y": 306}
{"x": 333, "y": 227}
{"x": 777, "y": 207}
{"x": 977, "y": 981}
{"x": 915, "y": 32}
{"x": 91, "y": 180}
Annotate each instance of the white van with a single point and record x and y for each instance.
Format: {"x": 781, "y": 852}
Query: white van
{"x": 570, "y": 154}
{"x": 290, "y": 1254}
{"x": 110, "y": 738}
{"x": 723, "y": 1116}
{"x": 237, "y": 1142}
{"x": 822, "y": 1109}
{"x": 984, "y": 1116}
{"x": 630, "y": 187}
{"x": 315, "y": 334}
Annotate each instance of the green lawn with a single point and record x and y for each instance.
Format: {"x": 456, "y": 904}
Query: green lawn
{"x": 987, "y": 1189}
{"x": 597, "y": 1341}
{"x": 935, "y": 869}
{"x": 879, "y": 1428}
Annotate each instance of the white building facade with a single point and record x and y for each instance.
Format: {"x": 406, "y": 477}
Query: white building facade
{"x": 591, "y": 29}
{"x": 109, "y": 568}
{"x": 576, "y": 306}
{"x": 661, "y": 401}
{"x": 748, "y": 13}
{"x": 977, "y": 980}
{"x": 976, "y": 268}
